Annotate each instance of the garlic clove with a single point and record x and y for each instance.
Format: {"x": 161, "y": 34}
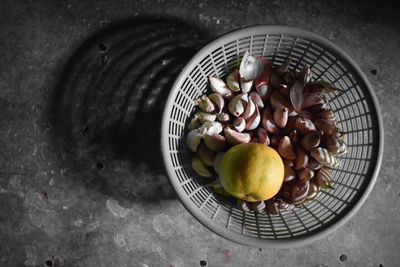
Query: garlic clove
{"x": 268, "y": 122}
{"x": 294, "y": 137}
{"x": 246, "y": 85}
{"x": 243, "y": 205}
{"x": 218, "y": 101}
{"x": 253, "y": 121}
{"x": 301, "y": 160}
{"x": 306, "y": 114}
{"x": 256, "y": 98}
{"x": 210, "y": 128}
{"x": 311, "y": 140}
{"x": 263, "y": 136}
{"x": 205, "y": 154}
{"x": 304, "y": 126}
{"x": 223, "y": 117}
{"x": 289, "y": 128}
{"x": 203, "y": 116}
{"x": 265, "y": 74}
{"x": 219, "y": 86}
{"x": 305, "y": 174}
{"x": 233, "y": 81}
{"x": 274, "y": 80}
{"x": 235, "y": 138}
{"x": 343, "y": 147}
{"x": 327, "y": 127}
{"x": 313, "y": 192}
{"x": 215, "y": 142}
{"x": 285, "y": 205}
{"x": 328, "y": 115}
{"x": 272, "y": 206}
{"x": 290, "y": 174}
{"x": 237, "y": 104}
{"x": 264, "y": 91}
{"x": 312, "y": 98}
{"x": 331, "y": 143}
{"x": 259, "y": 207}
{"x": 285, "y": 148}
{"x": 286, "y": 190}
{"x": 277, "y": 101}
{"x": 194, "y": 124}
{"x": 323, "y": 156}
{"x": 281, "y": 117}
{"x": 193, "y": 139}
{"x": 239, "y": 124}
{"x": 324, "y": 179}
{"x": 299, "y": 191}
{"x": 313, "y": 164}
{"x": 250, "y": 109}
{"x": 251, "y": 67}
{"x": 205, "y": 104}
{"x": 296, "y": 95}
{"x": 200, "y": 168}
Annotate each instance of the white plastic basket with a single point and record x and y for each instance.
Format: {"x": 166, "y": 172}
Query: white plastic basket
{"x": 356, "y": 110}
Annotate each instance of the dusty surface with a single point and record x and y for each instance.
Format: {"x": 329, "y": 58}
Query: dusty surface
{"x": 81, "y": 180}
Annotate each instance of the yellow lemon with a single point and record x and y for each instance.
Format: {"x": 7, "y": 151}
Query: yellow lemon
{"x": 252, "y": 172}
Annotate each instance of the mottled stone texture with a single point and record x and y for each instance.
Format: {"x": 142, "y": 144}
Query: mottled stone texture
{"x": 81, "y": 180}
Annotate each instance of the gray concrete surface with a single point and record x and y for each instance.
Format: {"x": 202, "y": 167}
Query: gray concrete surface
{"x": 81, "y": 178}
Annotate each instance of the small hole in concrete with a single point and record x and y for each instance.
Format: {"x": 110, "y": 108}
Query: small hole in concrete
{"x": 99, "y": 165}
{"x": 381, "y": 265}
{"x": 85, "y": 131}
{"x": 260, "y": 249}
{"x": 103, "y": 47}
{"x": 104, "y": 59}
{"x": 203, "y": 263}
{"x": 343, "y": 257}
{"x": 49, "y": 263}
{"x": 374, "y": 71}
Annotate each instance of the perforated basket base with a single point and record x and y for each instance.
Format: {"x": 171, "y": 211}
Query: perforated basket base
{"x": 356, "y": 110}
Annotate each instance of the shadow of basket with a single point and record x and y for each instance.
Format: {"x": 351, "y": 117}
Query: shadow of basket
{"x": 108, "y": 105}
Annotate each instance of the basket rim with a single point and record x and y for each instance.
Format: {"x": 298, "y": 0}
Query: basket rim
{"x": 253, "y": 241}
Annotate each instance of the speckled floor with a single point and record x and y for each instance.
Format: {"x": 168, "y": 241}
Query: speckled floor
{"x": 82, "y": 182}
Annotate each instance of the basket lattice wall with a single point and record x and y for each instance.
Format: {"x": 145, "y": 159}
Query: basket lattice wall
{"x": 356, "y": 111}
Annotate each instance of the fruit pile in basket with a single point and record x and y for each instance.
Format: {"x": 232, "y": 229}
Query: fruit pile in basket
{"x": 267, "y": 135}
